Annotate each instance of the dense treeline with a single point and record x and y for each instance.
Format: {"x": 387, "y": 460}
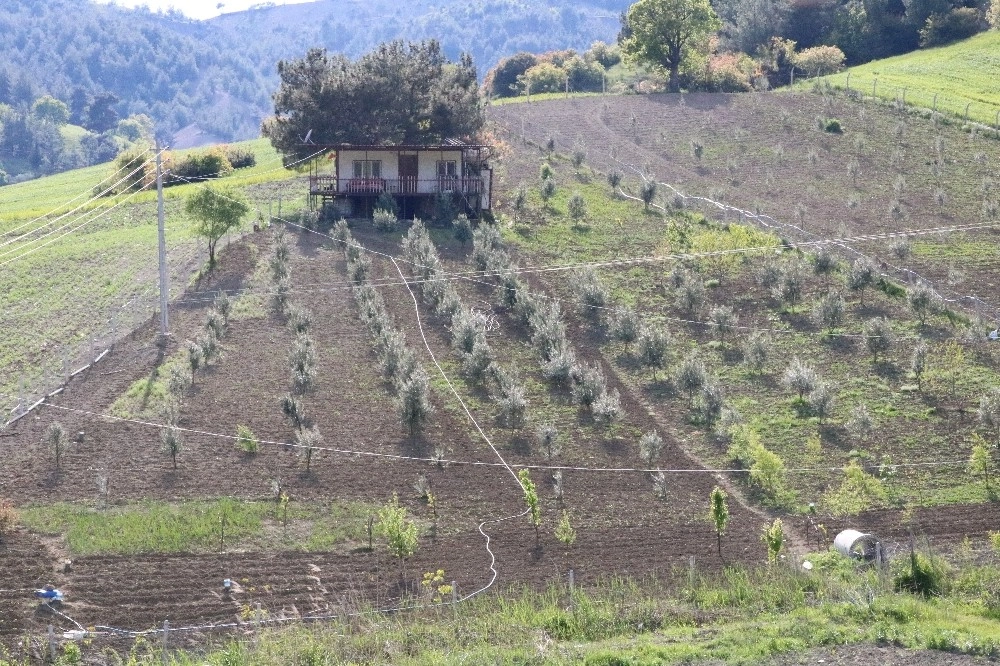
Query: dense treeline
{"x": 752, "y": 44}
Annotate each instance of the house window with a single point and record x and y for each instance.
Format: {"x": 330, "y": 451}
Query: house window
{"x": 447, "y": 169}
{"x": 367, "y": 168}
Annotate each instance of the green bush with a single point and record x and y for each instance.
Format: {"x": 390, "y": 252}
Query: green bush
{"x": 212, "y": 163}
{"x": 241, "y": 158}
{"x": 927, "y": 575}
{"x": 832, "y": 125}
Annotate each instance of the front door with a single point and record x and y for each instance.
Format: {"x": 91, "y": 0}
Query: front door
{"x": 408, "y": 174}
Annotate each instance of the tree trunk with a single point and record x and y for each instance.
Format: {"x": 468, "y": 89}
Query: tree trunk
{"x": 674, "y": 84}
{"x": 211, "y": 251}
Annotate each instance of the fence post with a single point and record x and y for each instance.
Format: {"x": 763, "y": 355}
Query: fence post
{"x": 848, "y": 82}
{"x": 874, "y": 83}
{"x": 166, "y": 631}
{"x": 967, "y": 111}
{"x": 52, "y": 643}
{"x": 996, "y": 121}
{"x": 66, "y": 369}
{"x": 691, "y": 572}
{"x": 935, "y": 103}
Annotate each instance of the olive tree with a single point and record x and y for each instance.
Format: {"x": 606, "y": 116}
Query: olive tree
{"x": 861, "y": 276}
{"x": 878, "y": 337}
{"x": 55, "y": 439}
{"x": 650, "y": 447}
{"x": 800, "y": 377}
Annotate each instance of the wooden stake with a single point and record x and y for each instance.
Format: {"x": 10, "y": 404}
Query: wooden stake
{"x": 166, "y": 631}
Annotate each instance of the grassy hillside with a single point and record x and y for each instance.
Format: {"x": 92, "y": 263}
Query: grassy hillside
{"x": 961, "y": 74}
{"x": 59, "y": 292}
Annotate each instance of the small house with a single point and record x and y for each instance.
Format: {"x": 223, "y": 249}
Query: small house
{"x": 351, "y": 178}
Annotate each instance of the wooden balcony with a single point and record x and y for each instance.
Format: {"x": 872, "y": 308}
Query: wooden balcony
{"x": 331, "y": 186}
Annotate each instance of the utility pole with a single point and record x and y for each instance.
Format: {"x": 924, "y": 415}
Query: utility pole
{"x": 164, "y": 286}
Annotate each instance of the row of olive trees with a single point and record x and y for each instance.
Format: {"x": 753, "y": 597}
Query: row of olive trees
{"x": 399, "y": 364}
{"x": 301, "y": 357}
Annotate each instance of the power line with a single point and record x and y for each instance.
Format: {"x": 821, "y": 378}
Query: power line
{"x": 56, "y": 219}
{"x": 476, "y": 463}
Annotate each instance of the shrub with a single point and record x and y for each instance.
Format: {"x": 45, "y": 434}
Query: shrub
{"x": 653, "y": 346}
{"x": 201, "y": 166}
{"x": 773, "y": 537}
{"x": 462, "y": 228}
{"x": 989, "y": 412}
{"x": 861, "y": 424}
{"x": 625, "y": 324}
{"x": 293, "y": 410}
{"x": 387, "y": 202}
{"x": 547, "y": 438}
{"x": 359, "y": 270}
{"x": 710, "y": 403}
{"x": 790, "y": 286}
{"x": 878, "y": 337}
{"x": 385, "y": 220}
{"x": 172, "y": 443}
{"x": 767, "y": 471}
{"x": 512, "y": 400}
{"x": 445, "y": 209}
{"x": 531, "y": 500}
{"x": 194, "y": 356}
{"x": 691, "y": 375}
{"x": 240, "y": 158}
{"x": 564, "y": 531}
{"x": 829, "y": 311}
{"x": 918, "y": 362}
{"x": 302, "y": 362}
{"x": 560, "y": 367}
{"x": 647, "y": 193}
{"x": 820, "y": 60}
{"x": 307, "y": 440}
{"x": 723, "y": 321}
{"x": 821, "y": 401}
{"x": 547, "y": 190}
{"x": 591, "y": 294}
{"x": 832, "y": 125}
{"x": 859, "y": 491}
{"x": 576, "y": 207}
{"x": 55, "y": 439}
{"x": 861, "y": 276}
{"x": 650, "y": 447}
{"x": 400, "y": 534}
{"x": 691, "y": 295}
{"x": 299, "y": 319}
{"x": 224, "y": 306}
{"x": 923, "y": 301}
{"x": 607, "y": 409}
{"x": 756, "y": 352}
{"x": 246, "y": 441}
{"x": 588, "y": 385}
{"x": 926, "y": 575}
{"x": 614, "y": 180}
{"x": 800, "y": 377}
{"x": 957, "y": 24}
{"x": 414, "y": 402}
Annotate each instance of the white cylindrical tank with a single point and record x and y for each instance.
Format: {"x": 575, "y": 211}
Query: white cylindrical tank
{"x": 852, "y": 543}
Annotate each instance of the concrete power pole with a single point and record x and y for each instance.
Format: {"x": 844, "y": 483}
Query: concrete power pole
{"x": 164, "y": 286}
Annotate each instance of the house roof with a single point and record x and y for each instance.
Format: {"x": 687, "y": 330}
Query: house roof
{"x": 447, "y": 144}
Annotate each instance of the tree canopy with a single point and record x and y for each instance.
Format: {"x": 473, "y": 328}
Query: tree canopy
{"x": 398, "y": 93}
{"x": 660, "y": 32}
{"x": 215, "y": 214}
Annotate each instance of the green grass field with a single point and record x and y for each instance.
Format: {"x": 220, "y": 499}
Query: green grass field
{"x": 960, "y": 74}
{"x": 59, "y": 291}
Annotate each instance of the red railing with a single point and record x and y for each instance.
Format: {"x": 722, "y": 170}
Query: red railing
{"x": 332, "y": 185}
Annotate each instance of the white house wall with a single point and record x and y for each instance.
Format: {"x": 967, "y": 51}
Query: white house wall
{"x": 426, "y": 164}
